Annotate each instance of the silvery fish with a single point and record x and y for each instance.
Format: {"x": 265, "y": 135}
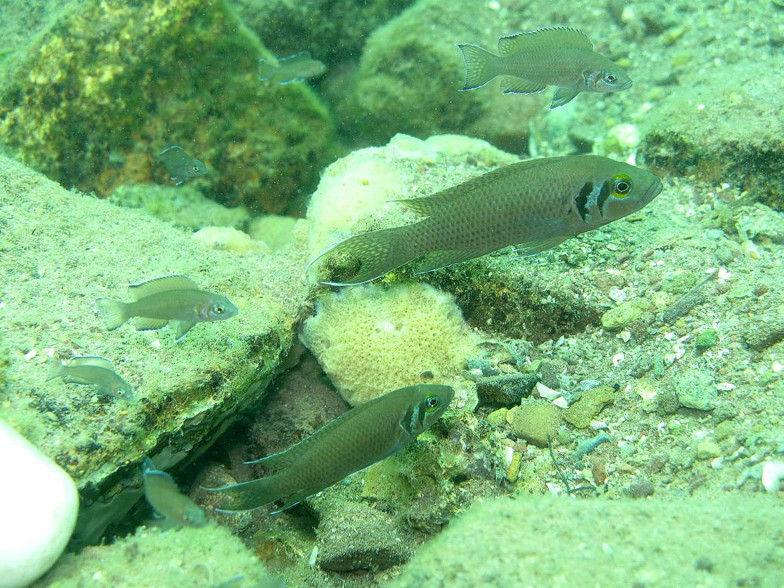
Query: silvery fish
{"x": 535, "y": 204}
{"x": 294, "y": 68}
{"x": 167, "y": 298}
{"x": 180, "y": 165}
{"x": 166, "y": 499}
{"x": 356, "y": 439}
{"x": 94, "y": 370}
{"x": 552, "y": 56}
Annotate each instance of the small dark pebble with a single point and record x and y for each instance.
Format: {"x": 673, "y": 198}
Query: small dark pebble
{"x": 641, "y": 488}
{"x": 704, "y": 563}
{"x": 506, "y": 389}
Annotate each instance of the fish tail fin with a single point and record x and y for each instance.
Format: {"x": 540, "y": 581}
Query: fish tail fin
{"x": 113, "y": 312}
{"x": 372, "y": 254}
{"x": 479, "y": 64}
{"x": 266, "y": 69}
{"x": 247, "y": 495}
{"x": 56, "y": 369}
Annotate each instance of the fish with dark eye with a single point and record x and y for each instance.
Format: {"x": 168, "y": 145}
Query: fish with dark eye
{"x": 92, "y": 370}
{"x": 534, "y": 204}
{"x": 294, "y": 68}
{"x": 180, "y": 165}
{"x": 167, "y": 501}
{"x": 356, "y": 439}
{"x": 158, "y": 301}
{"x": 552, "y": 56}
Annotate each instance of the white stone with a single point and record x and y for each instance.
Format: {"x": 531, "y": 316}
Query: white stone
{"x": 38, "y": 508}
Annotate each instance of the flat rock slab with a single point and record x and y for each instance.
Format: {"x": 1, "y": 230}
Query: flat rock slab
{"x": 61, "y": 250}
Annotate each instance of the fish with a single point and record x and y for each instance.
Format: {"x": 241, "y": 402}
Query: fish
{"x": 356, "y": 439}
{"x": 550, "y": 56}
{"x": 92, "y": 370}
{"x": 534, "y": 204}
{"x": 180, "y": 165}
{"x": 158, "y": 301}
{"x": 294, "y": 68}
{"x": 167, "y": 501}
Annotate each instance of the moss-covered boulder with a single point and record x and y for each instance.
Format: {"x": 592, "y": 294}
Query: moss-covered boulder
{"x": 62, "y": 250}
{"x": 724, "y": 125}
{"x": 92, "y": 106}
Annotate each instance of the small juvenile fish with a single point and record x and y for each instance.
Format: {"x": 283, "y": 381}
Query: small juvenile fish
{"x": 294, "y": 68}
{"x": 356, "y": 439}
{"x": 535, "y": 204}
{"x": 166, "y": 499}
{"x": 180, "y": 165}
{"x": 94, "y": 370}
{"x": 167, "y": 298}
{"x": 551, "y": 56}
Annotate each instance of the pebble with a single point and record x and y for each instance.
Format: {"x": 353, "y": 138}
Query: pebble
{"x": 505, "y": 389}
{"x": 624, "y": 314}
{"x": 695, "y": 389}
{"x": 535, "y": 421}
{"x": 38, "y": 508}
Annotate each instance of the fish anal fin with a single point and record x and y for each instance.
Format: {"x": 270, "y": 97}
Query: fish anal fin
{"x": 161, "y": 284}
{"x": 512, "y": 85}
{"x": 563, "y": 96}
{"x": 248, "y": 495}
{"x": 544, "y": 39}
{"x": 539, "y": 245}
{"x": 444, "y": 257}
{"x": 148, "y": 324}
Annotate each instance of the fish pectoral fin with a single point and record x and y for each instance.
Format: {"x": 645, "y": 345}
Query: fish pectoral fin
{"x": 444, "y": 257}
{"x": 563, "y": 96}
{"x": 148, "y": 324}
{"x": 512, "y": 85}
{"x": 182, "y": 328}
{"x": 534, "y": 247}
{"x": 161, "y": 284}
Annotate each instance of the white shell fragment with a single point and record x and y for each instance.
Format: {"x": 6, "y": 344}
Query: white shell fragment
{"x": 772, "y": 474}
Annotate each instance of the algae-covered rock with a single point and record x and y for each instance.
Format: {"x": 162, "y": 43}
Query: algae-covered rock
{"x": 92, "y": 106}
{"x": 624, "y": 314}
{"x": 504, "y": 542}
{"x": 536, "y": 421}
{"x": 581, "y": 413}
{"x": 410, "y": 74}
{"x": 725, "y": 125}
{"x": 203, "y": 558}
{"x": 185, "y": 393}
{"x": 696, "y": 389}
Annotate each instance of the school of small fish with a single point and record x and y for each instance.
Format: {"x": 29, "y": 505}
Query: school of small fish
{"x": 533, "y": 205}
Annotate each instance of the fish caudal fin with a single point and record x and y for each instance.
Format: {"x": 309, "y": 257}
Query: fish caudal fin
{"x": 479, "y": 66}
{"x": 113, "y": 312}
{"x": 372, "y": 254}
{"x": 247, "y": 495}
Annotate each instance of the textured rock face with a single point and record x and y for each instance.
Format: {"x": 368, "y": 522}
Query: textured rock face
{"x": 38, "y": 507}
{"x": 91, "y": 106}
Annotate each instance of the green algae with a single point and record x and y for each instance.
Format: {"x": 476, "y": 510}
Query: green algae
{"x": 183, "y": 73}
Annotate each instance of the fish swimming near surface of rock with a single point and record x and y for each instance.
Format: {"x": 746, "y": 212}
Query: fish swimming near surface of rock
{"x": 294, "y": 68}
{"x": 167, "y": 501}
{"x": 534, "y": 204}
{"x": 93, "y": 370}
{"x": 180, "y": 165}
{"x": 553, "y": 56}
{"x": 174, "y": 298}
{"x": 356, "y": 439}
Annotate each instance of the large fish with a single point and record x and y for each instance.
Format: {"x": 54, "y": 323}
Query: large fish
{"x": 356, "y": 439}
{"x": 535, "y": 204}
{"x": 157, "y": 301}
{"x": 552, "y": 56}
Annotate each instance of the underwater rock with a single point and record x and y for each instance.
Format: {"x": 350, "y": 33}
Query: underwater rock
{"x": 536, "y": 421}
{"x": 410, "y": 73}
{"x": 372, "y": 339}
{"x": 591, "y": 402}
{"x": 184, "y": 72}
{"x": 624, "y": 314}
{"x": 696, "y": 389}
{"x": 38, "y": 508}
{"x": 505, "y": 389}
{"x": 720, "y": 135}
{"x": 515, "y": 542}
{"x": 186, "y": 393}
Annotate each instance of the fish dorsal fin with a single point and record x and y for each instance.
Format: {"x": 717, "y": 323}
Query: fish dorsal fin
{"x": 545, "y": 39}
{"x": 161, "y": 284}
{"x": 92, "y": 360}
{"x": 301, "y": 56}
{"x": 425, "y": 206}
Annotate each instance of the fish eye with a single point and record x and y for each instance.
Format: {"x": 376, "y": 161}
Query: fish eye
{"x": 432, "y": 402}
{"x": 622, "y": 185}
{"x": 196, "y": 168}
{"x": 218, "y": 309}
{"x": 610, "y": 77}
